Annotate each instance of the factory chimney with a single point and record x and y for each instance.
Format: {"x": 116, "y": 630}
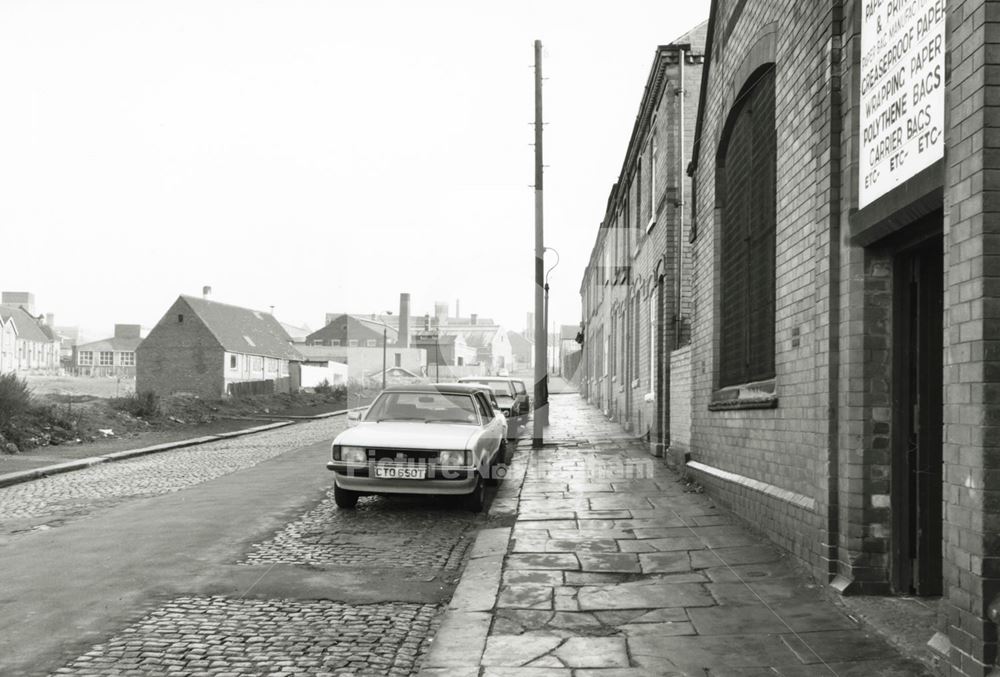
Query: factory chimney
{"x": 403, "y": 340}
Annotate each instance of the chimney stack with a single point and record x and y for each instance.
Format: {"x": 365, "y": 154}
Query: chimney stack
{"x": 403, "y": 339}
{"x": 128, "y": 331}
{"x": 458, "y": 308}
{"x": 206, "y": 291}
{"x": 473, "y": 318}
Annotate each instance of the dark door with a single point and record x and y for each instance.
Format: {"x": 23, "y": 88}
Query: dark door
{"x": 662, "y": 357}
{"x": 917, "y": 458}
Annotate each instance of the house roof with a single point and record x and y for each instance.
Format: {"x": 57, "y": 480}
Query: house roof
{"x": 295, "y": 331}
{"x": 477, "y": 338}
{"x": 467, "y": 322}
{"x": 335, "y": 327}
{"x": 113, "y": 344}
{"x": 242, "y": 330}
{"x": 28, "y": 327}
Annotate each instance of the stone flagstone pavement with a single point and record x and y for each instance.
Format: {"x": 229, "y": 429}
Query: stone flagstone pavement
{"x": 613, "y": 569}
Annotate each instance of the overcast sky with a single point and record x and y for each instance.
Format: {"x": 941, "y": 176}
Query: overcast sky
{"x": 311, "y": 156}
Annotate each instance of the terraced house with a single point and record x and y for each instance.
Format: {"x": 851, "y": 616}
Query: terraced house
{"x": 845, "y": 311}
{"x": 28, "y": 343}
{"x": 635, "y": 295}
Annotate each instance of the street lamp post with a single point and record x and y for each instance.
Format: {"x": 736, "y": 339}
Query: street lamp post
{"x": 545, "y": 323}
{"x": 385, "y": 333}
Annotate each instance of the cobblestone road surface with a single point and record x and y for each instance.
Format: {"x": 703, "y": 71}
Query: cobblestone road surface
{"x": 83, "y": 491}
{"x": 382, "y": 532}
{"x": 218, "y": 636}
{"x": 288, "y": 632}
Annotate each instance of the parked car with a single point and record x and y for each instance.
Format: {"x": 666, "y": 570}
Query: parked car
{"x": 421, "y": 439}
{"x": 511, "y": 428}
{"x": 512, "y": 396}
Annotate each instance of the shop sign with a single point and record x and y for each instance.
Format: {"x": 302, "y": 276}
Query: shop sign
{"x": 902, "y": 92}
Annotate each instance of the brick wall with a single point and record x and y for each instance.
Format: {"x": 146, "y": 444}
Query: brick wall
{"x": 180, "y": 357}
{"x": 972, "y": 336}
{"x": 784, "y": 446}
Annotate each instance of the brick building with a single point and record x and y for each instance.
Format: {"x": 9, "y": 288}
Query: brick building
{"x": 354, "y": 331}
{"x": 636, "y": 302}
{"x": 211, "y": 350}
{"x": 844, "y": 356}
{"x": 114, "y": 356}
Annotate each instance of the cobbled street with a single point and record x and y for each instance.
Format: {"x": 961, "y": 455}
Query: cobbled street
{"x": 81, "y": 492}
{"x": 249, "y": 567}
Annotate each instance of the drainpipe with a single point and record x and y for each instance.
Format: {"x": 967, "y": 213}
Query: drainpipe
{"x": 679, "y": 92}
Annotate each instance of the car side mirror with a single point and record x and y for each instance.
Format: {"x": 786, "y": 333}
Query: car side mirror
{"x": 353, "y": 418}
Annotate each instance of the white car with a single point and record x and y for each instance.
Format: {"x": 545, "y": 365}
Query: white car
{"x": 421, "y": 439}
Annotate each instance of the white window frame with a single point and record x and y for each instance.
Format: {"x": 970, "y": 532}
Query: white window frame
{"x": 86, "y": 358}
{"x": 371, "y": 343}
{"x": 108, "y": 355}
{"x": 126, "y": 358}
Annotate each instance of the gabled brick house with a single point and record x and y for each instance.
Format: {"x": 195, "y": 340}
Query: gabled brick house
{"x": 213, "y": 350}
{"x": 353, "y": 331}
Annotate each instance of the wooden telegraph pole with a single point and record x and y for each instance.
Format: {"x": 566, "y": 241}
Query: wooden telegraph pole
{"x": 541, "y": 413}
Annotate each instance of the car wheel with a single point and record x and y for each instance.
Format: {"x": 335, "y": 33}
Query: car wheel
{"x": 344, "y": 498}
{"x": 498, "y": 465}
{"x": 475, "y": 501}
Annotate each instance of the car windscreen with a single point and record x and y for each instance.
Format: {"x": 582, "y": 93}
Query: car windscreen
{"x": 429, "y": 407}
{"x": 519, "y": 387}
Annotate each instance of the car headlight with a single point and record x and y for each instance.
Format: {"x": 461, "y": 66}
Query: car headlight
{"x": 451, "y": 457}
{"x": 353, "y": 455}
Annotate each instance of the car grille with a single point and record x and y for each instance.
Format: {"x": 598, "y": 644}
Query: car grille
{"x": 403, "y": 455}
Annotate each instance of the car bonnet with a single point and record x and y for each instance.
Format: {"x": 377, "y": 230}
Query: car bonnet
{"x": 408, "y": 435}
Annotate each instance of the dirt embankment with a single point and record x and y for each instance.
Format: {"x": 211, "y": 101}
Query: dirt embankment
{"x": 110, "y": 424}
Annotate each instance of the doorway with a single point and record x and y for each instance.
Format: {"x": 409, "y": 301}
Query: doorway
{"x": 917, "y": 474}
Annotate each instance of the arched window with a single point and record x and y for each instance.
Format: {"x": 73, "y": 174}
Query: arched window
{"x": 745, "y": 195}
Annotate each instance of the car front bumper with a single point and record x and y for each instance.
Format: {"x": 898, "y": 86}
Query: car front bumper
{"x": 358, "y": 479}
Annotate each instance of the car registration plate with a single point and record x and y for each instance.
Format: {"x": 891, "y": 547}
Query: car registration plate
{"x": 400, "y": 472}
